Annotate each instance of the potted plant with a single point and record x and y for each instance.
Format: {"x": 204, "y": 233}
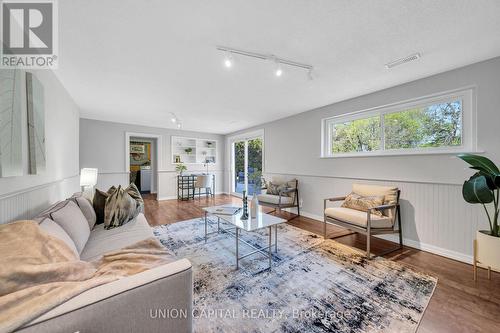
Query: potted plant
{"x": 180, "y": 168}
{"x": 188, "y": 150}
{"x": 484, "y": 188}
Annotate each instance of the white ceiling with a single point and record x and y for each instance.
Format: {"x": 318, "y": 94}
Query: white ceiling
{"x": 135, "y": 61}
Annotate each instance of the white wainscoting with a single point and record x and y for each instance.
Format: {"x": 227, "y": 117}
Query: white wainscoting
{"x": 27, "y": 203}
{"x": 435, "y": 217}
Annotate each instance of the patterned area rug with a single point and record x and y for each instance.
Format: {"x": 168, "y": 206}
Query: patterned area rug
{"x": 314, "y": 285}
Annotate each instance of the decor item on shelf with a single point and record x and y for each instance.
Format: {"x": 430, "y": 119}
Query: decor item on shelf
{"x": 11, "y": 157}
{"x": 36, "y": 124}
{"x": 254, "y": 209}
{"x": 244, "y": 216}
{"x": 177, "y": 159}
{"x": 484, "y": 188}
{"x": 207, "y": 162}
{"x": 210, "y": 144}
{"x": 188, "y": 150}
{"x": 180, "y": 168}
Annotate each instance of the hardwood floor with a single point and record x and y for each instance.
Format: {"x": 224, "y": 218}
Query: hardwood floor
{"x": 459, "y": 304}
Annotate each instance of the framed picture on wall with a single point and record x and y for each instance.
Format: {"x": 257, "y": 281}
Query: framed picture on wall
{"x": 136, "y": 148}
{"x": 36, "y": 124}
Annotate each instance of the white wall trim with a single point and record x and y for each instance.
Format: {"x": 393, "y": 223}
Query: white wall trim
{"x": 34, "y": 188}
{"x": 366, "y": 179}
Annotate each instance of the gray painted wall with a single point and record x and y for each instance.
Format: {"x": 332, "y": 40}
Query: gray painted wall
{"x": 102, "y": 146}
{"x": 24, "y": 196}
{"x": 436, "y": 217}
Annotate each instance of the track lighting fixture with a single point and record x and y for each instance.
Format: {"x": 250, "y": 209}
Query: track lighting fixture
{"x": 175, "y": 120}
{"x": 230, "y": 52}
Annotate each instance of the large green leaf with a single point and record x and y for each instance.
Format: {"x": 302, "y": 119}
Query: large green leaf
{"x": 476, "y": 190}
{"x": 480, "y": 163}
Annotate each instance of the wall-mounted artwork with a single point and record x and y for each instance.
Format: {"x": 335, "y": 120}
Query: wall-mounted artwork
{"x": 11, "y": 160}
{"x": 36, "y": 124}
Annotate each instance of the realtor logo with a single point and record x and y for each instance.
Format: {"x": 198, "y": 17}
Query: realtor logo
{"x": 29, "y": 34}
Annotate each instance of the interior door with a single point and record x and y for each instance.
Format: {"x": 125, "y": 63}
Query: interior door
{"x": 247, "y": 166}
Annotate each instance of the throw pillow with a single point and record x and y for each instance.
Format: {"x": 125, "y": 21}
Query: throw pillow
{"x": 363, "y": 203}
{"x": 85, "y": 207}
{"x": 134, "y": 192}
{"x": 68, "y": 216}
{"x": 120, "y": 208}
{"x": 99, "y": 203}
{"x": 275, "y": 189}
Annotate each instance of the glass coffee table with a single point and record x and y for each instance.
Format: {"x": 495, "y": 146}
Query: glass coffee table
{"x": 254, "y": 223}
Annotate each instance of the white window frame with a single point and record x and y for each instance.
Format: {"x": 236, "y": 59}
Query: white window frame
{"x": 468, "y": 132}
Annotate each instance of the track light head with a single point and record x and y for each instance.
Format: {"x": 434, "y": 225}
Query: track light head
{"x": 228, "y": 60}
{"x": 278, "y": 71}
{"x": 179, "y": 125}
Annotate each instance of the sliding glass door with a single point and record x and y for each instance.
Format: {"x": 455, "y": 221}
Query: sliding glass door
{"x": 247, "y": 166}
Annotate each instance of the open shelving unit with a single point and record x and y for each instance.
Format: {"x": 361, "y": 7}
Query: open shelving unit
{"x": 193, "y": 150}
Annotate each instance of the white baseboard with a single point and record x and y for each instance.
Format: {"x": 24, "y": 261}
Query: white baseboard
{"x": 407, "y": 242}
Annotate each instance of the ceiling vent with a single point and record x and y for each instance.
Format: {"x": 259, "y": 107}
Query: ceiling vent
{"x": 401, "y": 61}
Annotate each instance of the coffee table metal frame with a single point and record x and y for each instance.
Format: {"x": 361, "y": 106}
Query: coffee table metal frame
{"x": 266, "y": 251}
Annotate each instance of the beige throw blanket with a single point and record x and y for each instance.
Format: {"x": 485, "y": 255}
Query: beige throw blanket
{"x": 39, "y": 272}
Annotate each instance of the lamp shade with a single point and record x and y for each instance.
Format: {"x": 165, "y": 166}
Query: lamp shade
{"x": 88, "y": 177}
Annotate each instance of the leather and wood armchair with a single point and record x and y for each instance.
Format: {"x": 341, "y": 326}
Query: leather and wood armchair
{"x": 368, "y": 223}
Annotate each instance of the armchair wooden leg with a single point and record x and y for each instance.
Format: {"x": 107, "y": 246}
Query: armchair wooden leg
{"x": 400, "y": 228}
{"x": 474, "y": 245}
{"x": 368, "y": 245}
{"x": 324, "y": 228}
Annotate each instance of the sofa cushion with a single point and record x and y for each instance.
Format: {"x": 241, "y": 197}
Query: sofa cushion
{"x": 363, "y": 203}
{"x": 274, "y": 199}
{"x": 102, "y": 240}
{"x": 358, "y": 217}
{"x": 55, "y": 230}
{"x": 86, "y": 208}
{"x": 390, "y": 194}
{"x": 71, "y": 219}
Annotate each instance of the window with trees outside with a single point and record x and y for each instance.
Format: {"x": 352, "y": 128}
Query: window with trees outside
{"x": 429, "y": 125}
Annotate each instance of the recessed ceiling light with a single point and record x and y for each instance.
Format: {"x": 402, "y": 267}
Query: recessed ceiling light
{"x": 411, "y": 57}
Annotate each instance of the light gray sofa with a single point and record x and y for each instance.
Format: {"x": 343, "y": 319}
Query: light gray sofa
{"x": 130, "y": 304}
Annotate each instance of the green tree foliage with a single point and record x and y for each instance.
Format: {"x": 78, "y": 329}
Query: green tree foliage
{"x": 437, "y": 125}
{"x": 254, "y": 155}
{"x": 356, "y": 135}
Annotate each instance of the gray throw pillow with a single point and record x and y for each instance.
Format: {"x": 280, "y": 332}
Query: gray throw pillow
{"x": 120, "y": 208}
{"x": 68, "y": 216}
{"x": 86, "y": 208}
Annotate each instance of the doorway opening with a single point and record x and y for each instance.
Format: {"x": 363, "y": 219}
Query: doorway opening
{"x": 143, "y": 164}
{"x": 247, "y": 165}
